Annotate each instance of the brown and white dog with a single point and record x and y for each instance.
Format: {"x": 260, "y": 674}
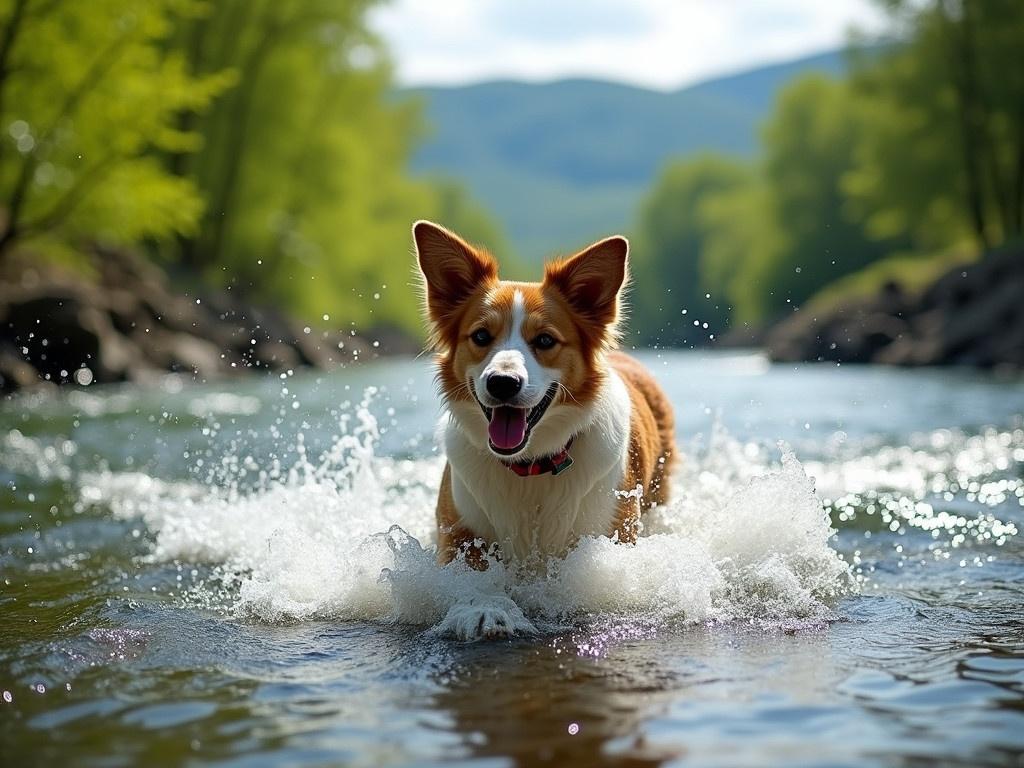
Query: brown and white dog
{"x": 550, "y": 434}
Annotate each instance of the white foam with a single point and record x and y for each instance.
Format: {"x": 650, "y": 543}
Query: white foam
{"x": 352, "y": 537}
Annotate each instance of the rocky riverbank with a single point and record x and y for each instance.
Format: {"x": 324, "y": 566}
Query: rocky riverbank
{"x": 127, "y": 322}
{"x": 971, "y": 316}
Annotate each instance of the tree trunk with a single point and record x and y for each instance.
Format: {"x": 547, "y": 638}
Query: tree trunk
{"x": 1017, "y": 200}
{"x": 964, "y": 84}
{"x": 221, "y": 208}
{"x": 186, "y": 120}
{"x": 7, "y": 40}
{"x": 982, "y": 114}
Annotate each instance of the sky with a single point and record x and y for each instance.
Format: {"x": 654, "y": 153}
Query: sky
{"x": 660, "y": 44}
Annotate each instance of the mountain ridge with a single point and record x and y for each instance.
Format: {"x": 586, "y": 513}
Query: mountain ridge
{"x": 564, "y": 161}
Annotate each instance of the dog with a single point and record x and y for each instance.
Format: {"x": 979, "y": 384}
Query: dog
{"x": 551, "y": 434}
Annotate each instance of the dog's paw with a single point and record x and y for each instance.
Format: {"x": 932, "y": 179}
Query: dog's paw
{"x": 484, "y": 618}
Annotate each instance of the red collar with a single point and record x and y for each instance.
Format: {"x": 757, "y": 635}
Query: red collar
{"x": 556, "y": 463}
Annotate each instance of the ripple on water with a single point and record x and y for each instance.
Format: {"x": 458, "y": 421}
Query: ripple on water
{"x": 184, "y": 611}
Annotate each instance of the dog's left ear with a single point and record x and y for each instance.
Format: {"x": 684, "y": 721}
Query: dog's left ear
{"x": 592, "y": 279}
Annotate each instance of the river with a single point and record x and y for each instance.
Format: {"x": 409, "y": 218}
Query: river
{"x": 242, "y": 573}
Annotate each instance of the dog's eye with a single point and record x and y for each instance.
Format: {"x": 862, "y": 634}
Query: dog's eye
{"x": 481, "y": 337}
{"x": 544, "y": 341}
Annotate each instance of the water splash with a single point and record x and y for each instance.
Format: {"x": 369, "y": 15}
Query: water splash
{"x": 350, "y": 535}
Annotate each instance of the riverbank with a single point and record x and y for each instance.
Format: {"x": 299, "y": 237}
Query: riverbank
{"x": 124, "y": 320}
{"x": 973, "y": 315}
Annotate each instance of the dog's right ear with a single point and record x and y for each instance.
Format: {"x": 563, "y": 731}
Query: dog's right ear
{"x": 452, "y": 269}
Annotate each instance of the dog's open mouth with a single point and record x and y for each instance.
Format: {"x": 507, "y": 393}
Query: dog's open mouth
{"x": 508, "y": 427}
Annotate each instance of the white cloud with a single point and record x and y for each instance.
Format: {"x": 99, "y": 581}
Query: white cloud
{"x": 657, "y": 43}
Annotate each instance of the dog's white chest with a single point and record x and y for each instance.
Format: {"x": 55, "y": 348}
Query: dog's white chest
{"x": 545, "y": 514}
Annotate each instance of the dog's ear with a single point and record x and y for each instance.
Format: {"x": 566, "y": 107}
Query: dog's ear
{"x": 451, "y": 267}
{"x": 592, "y": 279}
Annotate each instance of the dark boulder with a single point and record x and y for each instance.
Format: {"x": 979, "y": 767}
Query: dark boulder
{"x": 854, "y": 332}
{"x": 127, "y": 322}
{"x": 971, "y": 316}
{"x": 58, "y": 331}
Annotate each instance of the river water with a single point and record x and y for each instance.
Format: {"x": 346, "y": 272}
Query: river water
{"x": 242, "y": 574}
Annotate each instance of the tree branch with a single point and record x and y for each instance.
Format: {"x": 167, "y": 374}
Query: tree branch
{"x": 19, "y": 194}
{"x": 67, "y": 203}
{"x": 221, "y": 208}
{"x": 964, "y": 88}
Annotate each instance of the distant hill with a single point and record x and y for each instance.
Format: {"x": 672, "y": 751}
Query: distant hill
{"x": 562, "y": 163}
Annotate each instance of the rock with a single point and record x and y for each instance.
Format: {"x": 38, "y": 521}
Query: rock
{"x": 131, "y": 324}
{"x": 275, "y": 356}
{"x": 52, "y": 333}
{"x": 972, "y": 316}
{"x": 741, "y": 337}
{"x": 853, "y": 332}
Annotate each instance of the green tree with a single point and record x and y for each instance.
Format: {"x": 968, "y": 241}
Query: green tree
{"x": 88, "y": 96}
{"x": 763, "y": 241}
{"x": 943, "y": 151}
{"x": 669, "y": 242}
{"x": 810, "y": 144}
{"x": 304, "y": 161}
{"x": 743, "y": 242}
{"x": 920, "y": 150}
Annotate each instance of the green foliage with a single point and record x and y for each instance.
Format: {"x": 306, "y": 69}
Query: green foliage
{"x": 862, "y": 181}
{"x": 253, "y": 142}
{"x": 87, "y": 98}
{"x": 303, "y": 164}
{"x": 257, "y": 144}
{"x": 942, "y": 158}
{"x": 742, "y": 243}
{"x": 761, "y": 241}
{"x": 809, "y": 145}
{"x": 671, "y": 236}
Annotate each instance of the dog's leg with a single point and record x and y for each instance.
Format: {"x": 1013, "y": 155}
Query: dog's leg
{"x": 659, "y": 489}
{"x": 483, "y": 611}
{"x": 626, "y": 525}
{"x": 453, "y": 537}
{"x": 455, "y": 540}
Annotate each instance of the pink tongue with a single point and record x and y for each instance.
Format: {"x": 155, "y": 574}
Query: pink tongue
{"x": 508, "y": 427}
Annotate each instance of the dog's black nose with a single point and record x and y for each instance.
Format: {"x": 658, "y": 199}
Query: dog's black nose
{"x": 503, "y": 386}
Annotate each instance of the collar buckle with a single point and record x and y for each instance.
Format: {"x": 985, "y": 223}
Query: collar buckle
{"x": 554, "y": 464}
{"x": 563, "y": 465}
